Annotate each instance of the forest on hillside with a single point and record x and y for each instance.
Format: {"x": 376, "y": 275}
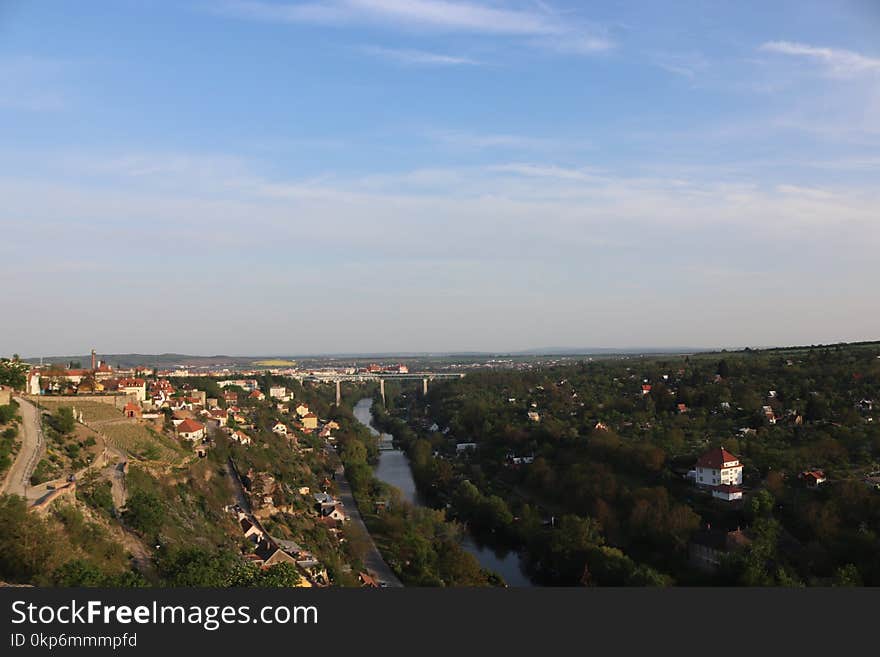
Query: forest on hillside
{"x": 585, "y": 467}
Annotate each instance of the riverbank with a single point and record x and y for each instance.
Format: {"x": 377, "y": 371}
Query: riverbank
{"x": 419, "y": 543}
{"x": 393, "y": 468}
{"x": 373, "y": 560}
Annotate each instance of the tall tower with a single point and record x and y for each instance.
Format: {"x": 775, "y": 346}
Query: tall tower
{"x": 94, "y": 361}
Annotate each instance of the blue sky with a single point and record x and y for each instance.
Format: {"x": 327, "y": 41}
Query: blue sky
{"x": 378, "y": 175}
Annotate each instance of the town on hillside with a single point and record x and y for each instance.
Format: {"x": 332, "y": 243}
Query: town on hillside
{"x": 755, "y": 468}
{"x": 164, "y": 466}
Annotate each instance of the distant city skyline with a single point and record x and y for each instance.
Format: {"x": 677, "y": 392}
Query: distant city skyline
{"x": 385, "y": 176}
{"x": 360, "y": 355}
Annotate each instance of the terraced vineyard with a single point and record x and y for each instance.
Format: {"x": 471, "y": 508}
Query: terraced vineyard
{"x": 124, "y": 434}
{"x": 142, "y": 442}
{"x": 92, "y": 411}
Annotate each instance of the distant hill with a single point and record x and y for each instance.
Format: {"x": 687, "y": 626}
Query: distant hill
{"x": 605, "y": 351}
{"x": 160, "y": 361}
{"x": 171, "y": 360}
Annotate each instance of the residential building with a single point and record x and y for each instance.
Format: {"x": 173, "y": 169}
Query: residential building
{"x": 727, "y": 492}
{"x": 718, "y": 467}
{"x": 279, "y": 392}
{"x": 241, "y": 437}
{"x": 132, "y": 410}
{"x": 191, "y": 430}
{"x": 310, "y": 421}
{"x": 813, "y": 478}
{"x": 136, "y": 387}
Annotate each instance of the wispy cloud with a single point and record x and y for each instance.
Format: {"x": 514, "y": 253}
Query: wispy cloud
{"x": 575, "y": 43}
{"x": 541, "y": 26}
{"x": 442, "y": 14}
{"x": 839, "y": 62}
{"x": 547, "y": 171}
{"x": 687, "y": 65}
{"x": 418, "y": 57}
{"x": 528, "y": 231}
{"x": 463, "y": 140}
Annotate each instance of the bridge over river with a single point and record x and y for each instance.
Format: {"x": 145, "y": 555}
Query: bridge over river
{"x": 338, "y": 378}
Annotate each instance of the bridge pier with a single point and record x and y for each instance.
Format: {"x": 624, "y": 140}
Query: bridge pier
{"x": 382, "y": 389}
{"x": 425, "y": 387}
{"x": 338, "y": 392}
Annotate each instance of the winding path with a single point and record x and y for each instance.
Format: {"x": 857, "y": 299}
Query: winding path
{"x": 32, "y": 444}
{"x": 373, "y": 558}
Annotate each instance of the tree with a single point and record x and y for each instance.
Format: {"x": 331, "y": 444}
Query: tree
{"x": 760, "y": 505}
{"x": 575, "y": 534}
{"x": 28, "y": 548}
{"x": 847, "y": 575}
{"x": 13, "y": 373}
{"x": 354, "y": 451}
{"x": 467, "y": 497}
{"x": 357, "y": 541}
{"x": 63, "y": 420}
{"x": 144, "y": 512}
{"x": 79, "y": 573}
{"x": 817, "y": 409}
{"x": 494, "y": 512}
{"x": 282, "y": 575}
{"x": 195, "y": 567}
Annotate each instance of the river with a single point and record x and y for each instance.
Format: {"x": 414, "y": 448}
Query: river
{"x": 393, "y": 468}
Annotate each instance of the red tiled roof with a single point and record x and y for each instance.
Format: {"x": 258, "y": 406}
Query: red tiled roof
{"x": 716, "y": 458}
{"x": 190, "y": 426}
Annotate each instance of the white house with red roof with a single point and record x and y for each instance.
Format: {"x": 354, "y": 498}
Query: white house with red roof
{"x": 727, "y": 492}
{"x": 718, "y": 467}
{"x": 256, "y": 394}
{"x": 137, "y": 387}
{"x": 813, "y": 478}
{"x": 191, "y": 430}
{"x": 241, "y": 437}
{"x": 219, "y": 416}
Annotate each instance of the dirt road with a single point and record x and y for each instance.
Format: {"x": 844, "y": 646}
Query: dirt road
{"x": 32, "y": 445}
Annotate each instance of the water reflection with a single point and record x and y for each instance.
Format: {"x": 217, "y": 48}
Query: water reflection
{"x": 393, "y": 468}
